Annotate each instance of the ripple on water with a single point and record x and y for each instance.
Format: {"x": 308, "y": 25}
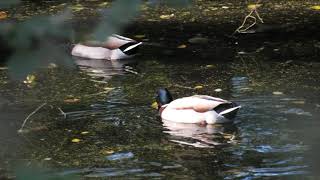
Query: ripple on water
{"x": 120, "y": 156}
{"x": 257, "y": 173}
{"x": 280, "y": 149}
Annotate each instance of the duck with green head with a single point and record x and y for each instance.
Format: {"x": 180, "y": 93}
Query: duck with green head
{"x": 201, "y": 109}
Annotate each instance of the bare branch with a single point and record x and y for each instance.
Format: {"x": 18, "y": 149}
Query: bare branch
{"x": 32, "y": 113}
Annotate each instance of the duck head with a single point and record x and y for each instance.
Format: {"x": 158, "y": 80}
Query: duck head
{"x": 163, "y": 97}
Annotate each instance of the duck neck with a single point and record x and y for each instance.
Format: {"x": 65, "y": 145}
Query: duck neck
{"x": 162, "y": 108}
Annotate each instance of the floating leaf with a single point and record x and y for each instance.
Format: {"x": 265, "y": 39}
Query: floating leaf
{"x": 154, "y": 105}
{"x": 218, "y": 90}
{"x": 210, "y": 66}
{"x": 3, "y": 15}
{"x": 198, "y": 40}
{"x": 73, "y": 100}
{"x": 77, "y": 8}
{"x": 254, "y": 6}
{"x": 225, "y": 7}
{"x": 242, "y": 52}
{"x": 182, "y": 46}
{"x": 298, "y": 102}
{"x": 75, "y": 140}
{"x": 317, "y": 7}
{"x": 140, "y": 36}
{"x": 277, "y": 93}
{"x": 103, "y": 4}
{"x": 85, "y": 132}
{"x": 107, "y": 151}
{"x": 30, "y": 79}
{"x": 198, "y": 87}
{"x": 166, "y": 16}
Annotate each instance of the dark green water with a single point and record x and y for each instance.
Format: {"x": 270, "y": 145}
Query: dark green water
{"x": 274, "y": 134}
{"x": 107, "y": 108}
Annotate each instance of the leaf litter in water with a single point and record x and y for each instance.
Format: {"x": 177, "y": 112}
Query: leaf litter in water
{"x": 140, "y": 36}
{"x": 277, "y": 93}
{"x": 198, "y": 87}
{"x": 166, "y": 16}
{"x": 3, "y": 15}
{"x": 253, "y": 6}
{"x": 75, "y": 140}
{"x": 317, "y": 7}
{"x": 182, "y": 46}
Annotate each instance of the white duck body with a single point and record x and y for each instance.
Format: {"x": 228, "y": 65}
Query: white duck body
{"x": 116, "y": 47}
{"x": 197, "y": 109}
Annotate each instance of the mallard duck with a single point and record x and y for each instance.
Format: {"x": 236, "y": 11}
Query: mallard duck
{"x": 115, "y": 47}
{"x": 200, "y": 109}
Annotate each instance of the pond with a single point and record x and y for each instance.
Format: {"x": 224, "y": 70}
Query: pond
{"x": 97, "y": 119}
{"x": 116, "y": 132}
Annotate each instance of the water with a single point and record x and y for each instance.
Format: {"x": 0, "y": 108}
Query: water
{"x": 109, "y": 129}
{"x": 124, "y": 137}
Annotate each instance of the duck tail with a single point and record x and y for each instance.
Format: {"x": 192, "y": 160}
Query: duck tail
{"x": 230, "y": 113}
{"x": 132, "y": 46}
{"x": 122, "y": 37}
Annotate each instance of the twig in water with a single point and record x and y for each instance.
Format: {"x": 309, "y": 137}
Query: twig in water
{"x": 242, "y": 28}
{"x": 32, "y": 113}
{"x": 130, "y": 70}
{"x": 184, "y": 87}
{"x": 102, "y": 82}
{"x": 62, "y": 112}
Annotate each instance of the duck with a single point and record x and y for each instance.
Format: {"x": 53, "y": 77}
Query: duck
{"x": 200, "y": 109}
{"x": 114, "y": 48}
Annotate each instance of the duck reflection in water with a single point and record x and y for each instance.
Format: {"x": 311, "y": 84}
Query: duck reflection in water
{"x": 199, "y": 135}
{"x": 102, "y": 68}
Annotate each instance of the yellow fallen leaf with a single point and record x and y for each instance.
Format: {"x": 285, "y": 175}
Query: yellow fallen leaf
{"x": 154, "y": 105}
{"x": 75, "y": 140}
{"x": 29, "y": 79}
{"x": 277, "y": 93}
{"x": 166, "y": 16}
{"x": 198, "y": 40}
{"x": 107, "y": 151}
{"x": 103, "y": 4}
{"x": 209, "y": 66}
{"x": 73, "y": 100}
{"x": 253, "y": 6}
{"x": 298, "y": 102}
{"x": 140, "y": 36}
{"x": 317, "y": 7}
{"x": 182, "y": 46}
{"x": 77, "y": 8}
{"x": 84, "y": 132}
{"x": 3, "y": 15}
{"x": 198, "y": 87}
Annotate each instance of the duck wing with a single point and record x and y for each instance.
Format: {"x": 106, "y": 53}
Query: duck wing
{"x": 198, "y": 103}
{"x": 115, "y": 41}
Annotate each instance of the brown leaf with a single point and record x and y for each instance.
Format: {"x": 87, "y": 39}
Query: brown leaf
{"x": 3, "y": 15}
{"x": 73, "y": 100}
{"x": 182, "y": 46}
